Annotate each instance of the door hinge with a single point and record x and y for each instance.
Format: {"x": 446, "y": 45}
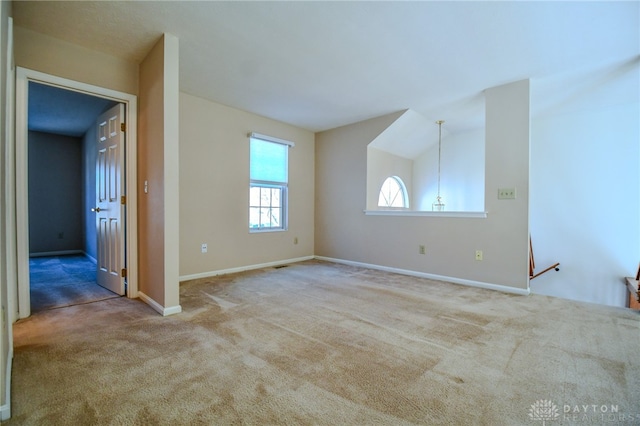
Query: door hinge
{"x": 123, "y": 127}
{"x": 123, "y": 199}
{"x": 123, "y": 272}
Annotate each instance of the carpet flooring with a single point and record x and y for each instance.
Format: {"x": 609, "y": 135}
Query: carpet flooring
{"x": 60, "y": 281}
{"x": 318, "y": 343}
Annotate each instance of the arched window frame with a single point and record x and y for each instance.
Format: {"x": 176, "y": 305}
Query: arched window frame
{"x": 399, "y": 189}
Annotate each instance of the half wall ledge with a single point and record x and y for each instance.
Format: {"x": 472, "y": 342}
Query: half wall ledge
{"x": 477, "y": 215}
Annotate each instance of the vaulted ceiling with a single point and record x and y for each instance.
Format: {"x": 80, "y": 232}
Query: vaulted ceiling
{"x": 320, "y": 65}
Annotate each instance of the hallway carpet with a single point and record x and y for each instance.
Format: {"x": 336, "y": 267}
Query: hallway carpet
{"x": 317, "y": 343}
{"x": 60, "y": 281}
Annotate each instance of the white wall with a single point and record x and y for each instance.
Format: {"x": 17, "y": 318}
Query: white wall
{"x": 214, "y": 190}
{"x": 461, "y": 173}
{"x": 585, "y": 188}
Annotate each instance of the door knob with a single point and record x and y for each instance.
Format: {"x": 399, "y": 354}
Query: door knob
{"x": 96, "y": 209}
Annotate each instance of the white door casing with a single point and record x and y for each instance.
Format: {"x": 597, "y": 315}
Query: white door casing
{"x": 110, "y": 205}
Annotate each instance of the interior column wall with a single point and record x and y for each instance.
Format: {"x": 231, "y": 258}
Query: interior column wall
{"x": 158, "y": 177}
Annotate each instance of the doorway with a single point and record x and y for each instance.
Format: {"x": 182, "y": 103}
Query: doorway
{"x": 62, "y": 191}
{"x": 27, "y": 83}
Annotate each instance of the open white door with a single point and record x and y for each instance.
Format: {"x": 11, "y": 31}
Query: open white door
{"x": 110, "y": 201}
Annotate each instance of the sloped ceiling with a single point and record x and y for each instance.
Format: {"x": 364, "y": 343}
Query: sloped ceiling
{"x": 320, "y": 65}
{"x": 407, "y": 136}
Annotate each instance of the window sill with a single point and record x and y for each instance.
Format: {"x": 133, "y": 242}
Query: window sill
{"x": 410, "y": 213}
{"x": 265, "y": 230}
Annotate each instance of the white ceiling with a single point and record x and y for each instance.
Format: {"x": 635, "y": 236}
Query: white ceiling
{"x": 320, "y": 65}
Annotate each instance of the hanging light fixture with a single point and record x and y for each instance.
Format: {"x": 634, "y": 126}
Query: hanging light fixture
{"x": 438, "y": 206}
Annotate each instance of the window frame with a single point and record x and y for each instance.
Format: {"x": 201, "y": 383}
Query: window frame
{"x": 283, "y": 186}
{"x": 403, "y": 191}
{"x": 282, "y": 206}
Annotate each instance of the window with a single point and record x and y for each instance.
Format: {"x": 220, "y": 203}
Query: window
{"x": 266, "y": 206}
{"x": 393, "y": 193}
{"x": 269, "y": 169}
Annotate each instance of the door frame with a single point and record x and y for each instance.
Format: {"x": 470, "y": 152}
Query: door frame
{"x": 22, "y": 307}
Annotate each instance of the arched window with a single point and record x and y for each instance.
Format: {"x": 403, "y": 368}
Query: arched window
{"x": 393, "y": 193}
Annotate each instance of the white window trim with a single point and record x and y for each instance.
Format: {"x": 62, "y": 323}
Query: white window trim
{"x": 271, "y": 139}
{"x": 284, "y": 185}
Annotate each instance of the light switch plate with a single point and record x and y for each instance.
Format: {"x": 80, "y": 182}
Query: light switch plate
{"x": 506, "y": 194}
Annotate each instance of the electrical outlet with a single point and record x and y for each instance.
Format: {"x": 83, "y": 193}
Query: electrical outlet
{"x": 204, "y": 247}
{"x": 478, "y": 254}
{"x": 506, "y": 194}
{"x": 422, "y": 249}
{"x": 295, "y": 240}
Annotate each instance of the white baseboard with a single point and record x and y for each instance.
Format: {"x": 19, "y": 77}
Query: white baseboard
{"x": 171, "y": 310}
{"x": 470, "y": 283}
{"x": 56, "y": 253}
{"x": 244, "y": 268}
{"x": 5, "y": 409}
{"x": 5, "y": 412}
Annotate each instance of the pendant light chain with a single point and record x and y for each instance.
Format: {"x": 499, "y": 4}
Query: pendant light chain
{"x": 439, "y": 151}
{"x": 439, "y": 205}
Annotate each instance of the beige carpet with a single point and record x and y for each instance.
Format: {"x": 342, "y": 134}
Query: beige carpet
{"x": 326, "y": 344}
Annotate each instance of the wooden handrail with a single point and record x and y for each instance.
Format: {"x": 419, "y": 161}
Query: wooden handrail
{"x": 532, "y": 264}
